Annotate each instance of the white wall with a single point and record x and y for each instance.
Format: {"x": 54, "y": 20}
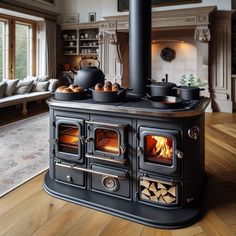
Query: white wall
{"x": 184, "y": 63}
{"x": 109, "y": 7}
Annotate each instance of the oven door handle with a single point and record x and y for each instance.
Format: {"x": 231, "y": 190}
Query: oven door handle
{"x": 106, "y": 124}
{"x": 124, "y": 176}
{"x": 91, "y": 156}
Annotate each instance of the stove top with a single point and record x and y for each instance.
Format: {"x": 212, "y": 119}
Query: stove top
{"x": 141, "y": 106}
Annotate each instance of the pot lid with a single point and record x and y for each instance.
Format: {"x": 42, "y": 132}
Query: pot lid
{"x": 163, "y": 84}
{"x": 188, "y": 87}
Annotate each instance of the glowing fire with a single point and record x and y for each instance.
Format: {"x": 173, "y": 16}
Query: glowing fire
{"x": 162, "y": 148}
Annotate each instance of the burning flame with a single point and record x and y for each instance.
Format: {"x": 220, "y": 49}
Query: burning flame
{"x": 162, "y": 148}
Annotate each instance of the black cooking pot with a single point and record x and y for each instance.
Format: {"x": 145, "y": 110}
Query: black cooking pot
{"x": 163, "y": 88}
{"x": 189, "y": 92}
{"x": 88, "y": 77}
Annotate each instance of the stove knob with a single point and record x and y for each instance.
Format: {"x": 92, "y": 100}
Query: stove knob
{"x": 194, "y": 132}
{"x": 69, "y": 178}
{"x": 110, "y": 184}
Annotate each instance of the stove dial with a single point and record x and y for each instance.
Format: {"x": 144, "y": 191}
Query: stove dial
{"x": 110, "y": 184}
{"x": 69, "y": 178}
{"x": 194, "y": 132}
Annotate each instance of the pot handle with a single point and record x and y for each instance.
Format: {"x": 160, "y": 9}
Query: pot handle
{"x": 148, "y": 95}
{"x": 123, "y": 91}
{"x": 84, "y": 58}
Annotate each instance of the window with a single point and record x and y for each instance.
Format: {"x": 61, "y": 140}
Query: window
{"x": 17, "y": 48}
{"x": 4, "y": 49}
{"x": 23, "y": 50}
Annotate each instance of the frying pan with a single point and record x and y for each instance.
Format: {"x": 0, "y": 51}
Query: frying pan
{"x": 165, "y": 102}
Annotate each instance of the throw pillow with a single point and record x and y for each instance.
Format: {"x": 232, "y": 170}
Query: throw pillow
{"x": 24, "y": 86}
{"x": 11, "y": 87}
{"x": 40, "y": 86}
{"x": 2, "y": 88}
{"x": 29, "y": 77}
{"x": 42, "y": 78}
{"x": 54, "y": 83}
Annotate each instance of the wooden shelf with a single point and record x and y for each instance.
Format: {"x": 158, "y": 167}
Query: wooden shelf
{"x": 89, "y": 46}
{"x": 92, "y": 39}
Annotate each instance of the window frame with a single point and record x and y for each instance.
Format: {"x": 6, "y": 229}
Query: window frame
{"x": 12, "y": 21}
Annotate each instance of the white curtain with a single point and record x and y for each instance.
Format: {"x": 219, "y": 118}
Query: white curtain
{"x": 47, "y": 48}
{"x": 51, "y": 49}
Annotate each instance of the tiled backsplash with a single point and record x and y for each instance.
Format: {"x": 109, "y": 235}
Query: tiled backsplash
{"x": 184, "y": 63}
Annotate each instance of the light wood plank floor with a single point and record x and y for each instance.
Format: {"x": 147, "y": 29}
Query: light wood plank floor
{"x": 28, "y": 210}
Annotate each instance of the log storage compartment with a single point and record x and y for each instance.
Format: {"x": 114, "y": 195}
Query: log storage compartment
{"x": 158, "y": 191}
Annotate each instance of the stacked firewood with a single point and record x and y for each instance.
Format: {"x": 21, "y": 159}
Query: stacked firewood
{"x": 158, "y": 192}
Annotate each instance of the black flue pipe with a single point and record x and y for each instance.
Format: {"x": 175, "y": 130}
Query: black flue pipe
{"x": 140, "y": 28}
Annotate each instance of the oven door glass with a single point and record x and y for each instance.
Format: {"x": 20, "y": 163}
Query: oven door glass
{"x": 69, "y": 143}
{"x": 68, "y": 138}
{"x": 158, "y": 149}
{"x": 107, "y": 140}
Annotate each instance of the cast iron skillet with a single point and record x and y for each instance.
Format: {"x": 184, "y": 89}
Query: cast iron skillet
{"x": 111, "y": 96}
{"x": 71, "y": 96}
{"x": 165, "y": 102}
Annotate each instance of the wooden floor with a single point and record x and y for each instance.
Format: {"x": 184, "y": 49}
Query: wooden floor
{"x": 28, "y": 210}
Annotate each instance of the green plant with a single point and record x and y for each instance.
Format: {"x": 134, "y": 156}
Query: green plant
{"x": 191, "y": 80}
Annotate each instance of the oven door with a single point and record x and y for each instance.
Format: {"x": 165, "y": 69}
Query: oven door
{"x": 69, "y": 139}
{"x": 159, "y": 151}
{"x": 107, "y": 141}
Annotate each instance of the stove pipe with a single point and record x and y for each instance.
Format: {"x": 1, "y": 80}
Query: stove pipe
{"x": 140, "y": 27}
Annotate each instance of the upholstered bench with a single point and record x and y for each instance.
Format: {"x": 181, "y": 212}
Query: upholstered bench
{"x": 22, "y": 91}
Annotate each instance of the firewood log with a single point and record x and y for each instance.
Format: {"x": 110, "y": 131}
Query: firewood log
{"x": 172, "y": 191}
{"x": 169, "y": 199}
{"x": 152, "y": 187}
{"x": 161, "y": 199}
{"x": 158, "y": 193}
{"x": 154, "y": 198}
{"x": 145, "y": 183}
{"x": 163, "y": 192}
{"x": 146, "y": 192}
{"x": 143, "y": 196}
{"x": 160, "y": 186}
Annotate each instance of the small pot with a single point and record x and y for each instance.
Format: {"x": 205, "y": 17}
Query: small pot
{"x": 163, "y": 88}
{"x": 189, "y": 92}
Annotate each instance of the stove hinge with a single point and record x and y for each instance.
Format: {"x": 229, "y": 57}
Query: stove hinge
{"x": 54, "y": 124}
{"x": 137, "y": 136}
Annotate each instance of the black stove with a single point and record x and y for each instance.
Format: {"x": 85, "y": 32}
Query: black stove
{"x": 130, "y": 159}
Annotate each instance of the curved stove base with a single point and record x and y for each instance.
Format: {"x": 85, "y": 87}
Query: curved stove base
{"x": 140, "y": 213}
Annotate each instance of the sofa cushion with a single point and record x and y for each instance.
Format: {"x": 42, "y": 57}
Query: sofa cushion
{"x": 2, "y": 88}
{"x": 42, "y": 78}
{"x": 54, "y": 83}
{"x": 11, "y": 87}
{"x": 40, "y": 86}
{"x": 24, "y": 86}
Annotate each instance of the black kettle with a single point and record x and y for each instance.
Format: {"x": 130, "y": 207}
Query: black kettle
{"x": 88, "y": 77}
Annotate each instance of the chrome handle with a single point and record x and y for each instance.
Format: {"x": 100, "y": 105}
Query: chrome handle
{"x": 123, "y": 149}
{"x": 124, "y": 176}
{"x": 55, "y": 141}
{"x": 90, "y": 139}
{"x": 106, "y": 124}
{"x": 88, "y": 155}
{"x": 194, "y": 132}
{"x": 140, "y": 151}
{"x": 82, "y": 140}
{"x": 179, "y": 154}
